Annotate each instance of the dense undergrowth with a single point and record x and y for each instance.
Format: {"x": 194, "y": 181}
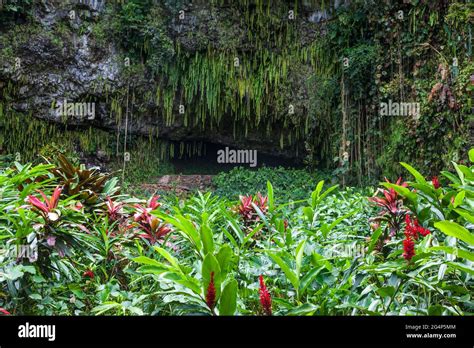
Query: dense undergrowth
{"x": 74, "y": 244}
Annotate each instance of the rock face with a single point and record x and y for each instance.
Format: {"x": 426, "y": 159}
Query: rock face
{"x": 58, "y": 59}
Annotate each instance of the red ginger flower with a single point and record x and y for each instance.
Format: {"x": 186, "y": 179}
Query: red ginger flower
{"x": 89, "y": 274}
{"x": 211, "y": 293}
{"x": 4, "y": 311}
{"x": 435, "y": 182}
{"x": 265, "y": 298}
{"x": 408, "y": 248}
{"x": 413, "y": 228}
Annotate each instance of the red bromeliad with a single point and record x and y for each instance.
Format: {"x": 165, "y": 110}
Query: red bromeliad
{"x": 45, "y": 209}
{"x": 4, "y": 311}
{"x": 154, "y": 229}
{"x": 144, "y": 212}
{"x": 245, "y": 208}
{"x": 265, "y": 298}
{"x": 247, "y": 211}
{"x": 153, "y": 202}
{"x": 152, "y": 226}
{"x": 114, "y": 209}
{"x": 390, "y": 201}
{"x": 211, "y": 293}
{"x": 392, "y": 211}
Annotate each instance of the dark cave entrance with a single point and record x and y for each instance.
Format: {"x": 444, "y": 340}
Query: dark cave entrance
{"x": 207, "y": 163}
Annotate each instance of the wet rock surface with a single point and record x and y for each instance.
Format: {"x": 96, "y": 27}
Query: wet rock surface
{"x": 75, "y": 67}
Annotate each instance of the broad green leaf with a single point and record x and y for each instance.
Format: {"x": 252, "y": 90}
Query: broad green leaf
{"x": 455, "y": 251}
{"x": 210, "y": 264}
{"x": 225, "y": 258}
{"x": 235, "y": 227}
{"x": 336, "y": 222}
{"x": 183, "y": 225}
{"x": 460, "y": 172}
{"x": 318, "y": 189}
{"x": 466, "y": 215}
{"x": 442, "y": 271}
{"x": 105, "y": 307}
{"x": 386, "y": 291}
{"x": 231, "y": 238}
{"x": 435, "y": 310}
{"x": 228, "y": 300}
{"x": 459, "y": 198}
{"x": 36, "y": 297}
{"x": 471, "y": 155}
{"x": 454, "y": 230}
{"x": 327, "y": 192}
{"x": 309, "y": 213}
{"x": 462, "y": 267}
{"x": 251, "y": 234}
{"x": 271, "y": 203}
{"x": 451, "y": 177}
{"x": 292, "y": 277}
{"x": 184, "y": 280}
{"x": 207, "y": 239}
{"x": 308, "y": 278}
{"x": 373, "y": 239}
{"x": 147, "y": 261}
{"x": 299, "y": 256}
{"x": 304, "y": 309}
{"x": 418, "y": 177}
{"x": 405, "y": 192}
{"x": 174, "y": 262}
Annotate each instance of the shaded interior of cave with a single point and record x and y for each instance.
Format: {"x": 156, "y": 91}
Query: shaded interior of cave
{"x": 207, "y": 162}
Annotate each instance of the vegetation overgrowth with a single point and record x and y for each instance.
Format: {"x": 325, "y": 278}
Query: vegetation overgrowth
{"x": 73, "y": 244}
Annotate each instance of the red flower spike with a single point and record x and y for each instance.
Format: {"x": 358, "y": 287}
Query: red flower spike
{"x": 413, "y": 228}
{"x": 211, "y": 293}
{"x": 265, "y": 298}
{"x": 408, "y": 248}
{"x": 88, "y": 274}
{"x": 435, "y": 182}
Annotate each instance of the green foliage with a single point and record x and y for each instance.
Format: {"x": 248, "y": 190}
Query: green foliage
{"x": 290, "y": 184}
{"x": 317, "y": 257}
{"x": 12, "y": 10}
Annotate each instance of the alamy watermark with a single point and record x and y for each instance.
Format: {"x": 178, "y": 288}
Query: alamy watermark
{"x": 237, "y": 156}
{"x": 80, "y": 110}
{"x": 345, "y": 250}
{"x": 22, "y": 251}
{"x": 400, "y": 109}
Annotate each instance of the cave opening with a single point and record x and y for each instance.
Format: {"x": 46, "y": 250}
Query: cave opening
{"x": 216, "y": 158}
